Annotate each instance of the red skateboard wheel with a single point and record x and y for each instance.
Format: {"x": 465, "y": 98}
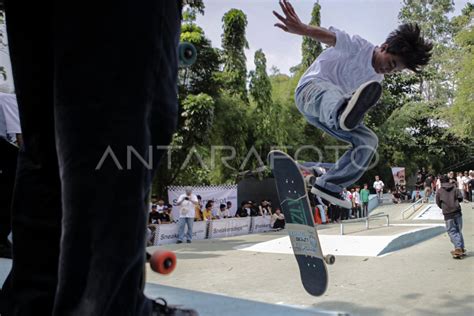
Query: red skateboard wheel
{"x": 163, "y": 261}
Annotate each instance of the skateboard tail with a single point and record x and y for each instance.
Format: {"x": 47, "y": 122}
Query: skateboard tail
{"x": 307, "y": 267}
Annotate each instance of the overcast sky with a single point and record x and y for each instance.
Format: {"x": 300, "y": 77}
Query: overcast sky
{"x": 371, "y": 19}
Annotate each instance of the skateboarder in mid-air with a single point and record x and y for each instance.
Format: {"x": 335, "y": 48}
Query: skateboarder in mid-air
{"x": 342, "y": 84}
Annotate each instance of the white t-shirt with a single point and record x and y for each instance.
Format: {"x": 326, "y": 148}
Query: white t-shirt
{"x": 347, "y": 65}
{"x": 187, "y": 207}
{"x": 356, "y": 197}
{"x": 9, "y": 117}
{"x": 460, "y": 183}
{"x": 225, "y": 213}
{"x": 159, "y": 208}
{"x": 378, "y": 185}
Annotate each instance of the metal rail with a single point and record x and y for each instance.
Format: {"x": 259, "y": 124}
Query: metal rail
{"x": 366, "y": 219}
{"x": 412, "y": 208}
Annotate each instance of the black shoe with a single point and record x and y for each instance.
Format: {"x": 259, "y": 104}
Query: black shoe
{"x": 333, "y": 197}
{"x": 179, "y": 242}
{"x": 365, "y": 97}
{"x": 161, "y": 307}
{"x": 188, "y": 241}
{"x": 5, "y": 251}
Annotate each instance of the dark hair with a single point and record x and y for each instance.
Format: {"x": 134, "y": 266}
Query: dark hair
{"x": 407, "y": 43}
{"x": 222, "y": 206}
{"x": 444, "y": 179}
{"x": 199, "y": 197}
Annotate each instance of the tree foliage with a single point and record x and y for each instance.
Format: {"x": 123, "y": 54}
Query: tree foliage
{"x": 421, "y": 120}
{"x": 310, "y": 47}
{"x": 233, "y": 44}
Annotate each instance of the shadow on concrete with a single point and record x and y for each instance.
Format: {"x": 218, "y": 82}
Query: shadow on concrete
{"x": 217, "y": 305}
{"x": 346, "y": 308}
{"x": 412, "y": 296}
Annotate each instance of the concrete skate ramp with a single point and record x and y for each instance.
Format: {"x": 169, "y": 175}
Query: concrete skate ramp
{"x": 367, "y": 246}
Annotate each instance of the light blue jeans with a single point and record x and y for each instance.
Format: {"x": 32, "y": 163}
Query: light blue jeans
{"x": 183, "y": 221}
{"x": 319, "y": 102}
{"x": 454, "y": 229}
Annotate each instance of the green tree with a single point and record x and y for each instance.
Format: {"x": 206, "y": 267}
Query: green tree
{"x": 460, "y": 115}
{"x": 267, "y": 131}
{"x": 185, "y": 162}
{"x": 229, "y": 136}
{"x": 233, "y": 44}
{"x": 201, "y": 76}
{"x": 310, "y": 47}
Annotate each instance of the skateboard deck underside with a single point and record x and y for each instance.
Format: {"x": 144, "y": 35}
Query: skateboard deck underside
{"x": 299, "y": 222}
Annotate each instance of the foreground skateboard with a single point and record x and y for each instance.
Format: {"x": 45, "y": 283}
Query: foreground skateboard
{"x": 304, "y": 239}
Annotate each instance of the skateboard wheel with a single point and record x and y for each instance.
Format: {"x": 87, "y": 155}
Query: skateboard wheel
{"x": 163, "y": 261}
{"x": 330, "y": 259}
{"x": 187, "y": 54}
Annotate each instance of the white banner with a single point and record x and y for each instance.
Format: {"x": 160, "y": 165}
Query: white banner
{"x": 398, "y": 175}
{"x": 260, "y": 224}
{"x": 168, "y": 233}
{"x": 229, "y": 227}
{"x": 220, "y": 194}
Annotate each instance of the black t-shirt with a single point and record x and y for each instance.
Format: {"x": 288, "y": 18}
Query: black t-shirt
{"x": 154, "y": 217}
{"x": 165, "y": 217}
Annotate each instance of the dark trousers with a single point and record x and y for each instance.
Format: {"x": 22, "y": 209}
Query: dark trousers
{"x": 279, "y": 224}
{"x": 8, "y": 158}
{"x": 365, "y": 209}
{"x": 96, "y": 86}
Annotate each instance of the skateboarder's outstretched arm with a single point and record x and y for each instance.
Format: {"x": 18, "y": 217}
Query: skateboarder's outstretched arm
{"x": 291, "y": 23}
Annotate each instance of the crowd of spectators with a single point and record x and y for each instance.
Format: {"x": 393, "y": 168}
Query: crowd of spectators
{"x": 429, "y": 183}
{"x": 324, "y": 212}
{"x": 161, "y": 212}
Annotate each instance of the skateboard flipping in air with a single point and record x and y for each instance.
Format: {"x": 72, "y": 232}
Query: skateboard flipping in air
{"x": 304, "y": 239}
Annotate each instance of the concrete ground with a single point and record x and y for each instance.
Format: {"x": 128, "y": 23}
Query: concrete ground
{"x": 217, "y": 278}
{"x": 420, "y": 280}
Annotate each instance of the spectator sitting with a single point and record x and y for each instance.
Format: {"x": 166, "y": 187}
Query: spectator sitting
{"x": 207, "y": 213}
{"x": 160, "y": 206}
{"x": 223, "y": 211}
{"x": 404, "y": 194}
{"x": 253, "y": 209}
{"x": 265, "y": 208}
{"x": 229, "y": 205}
{"x": 197, "y": 209}
{"x": 278, "y": 220}
{"x": 246, "y": 210}
{"x": 395, "y": 196}
{"x": 153, "y": 201}
{"x": 166, "y": 216}
{"x": 154, "y": 216}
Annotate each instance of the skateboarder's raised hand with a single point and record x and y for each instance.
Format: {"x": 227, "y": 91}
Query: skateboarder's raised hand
{"x": 291, "y": 23}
